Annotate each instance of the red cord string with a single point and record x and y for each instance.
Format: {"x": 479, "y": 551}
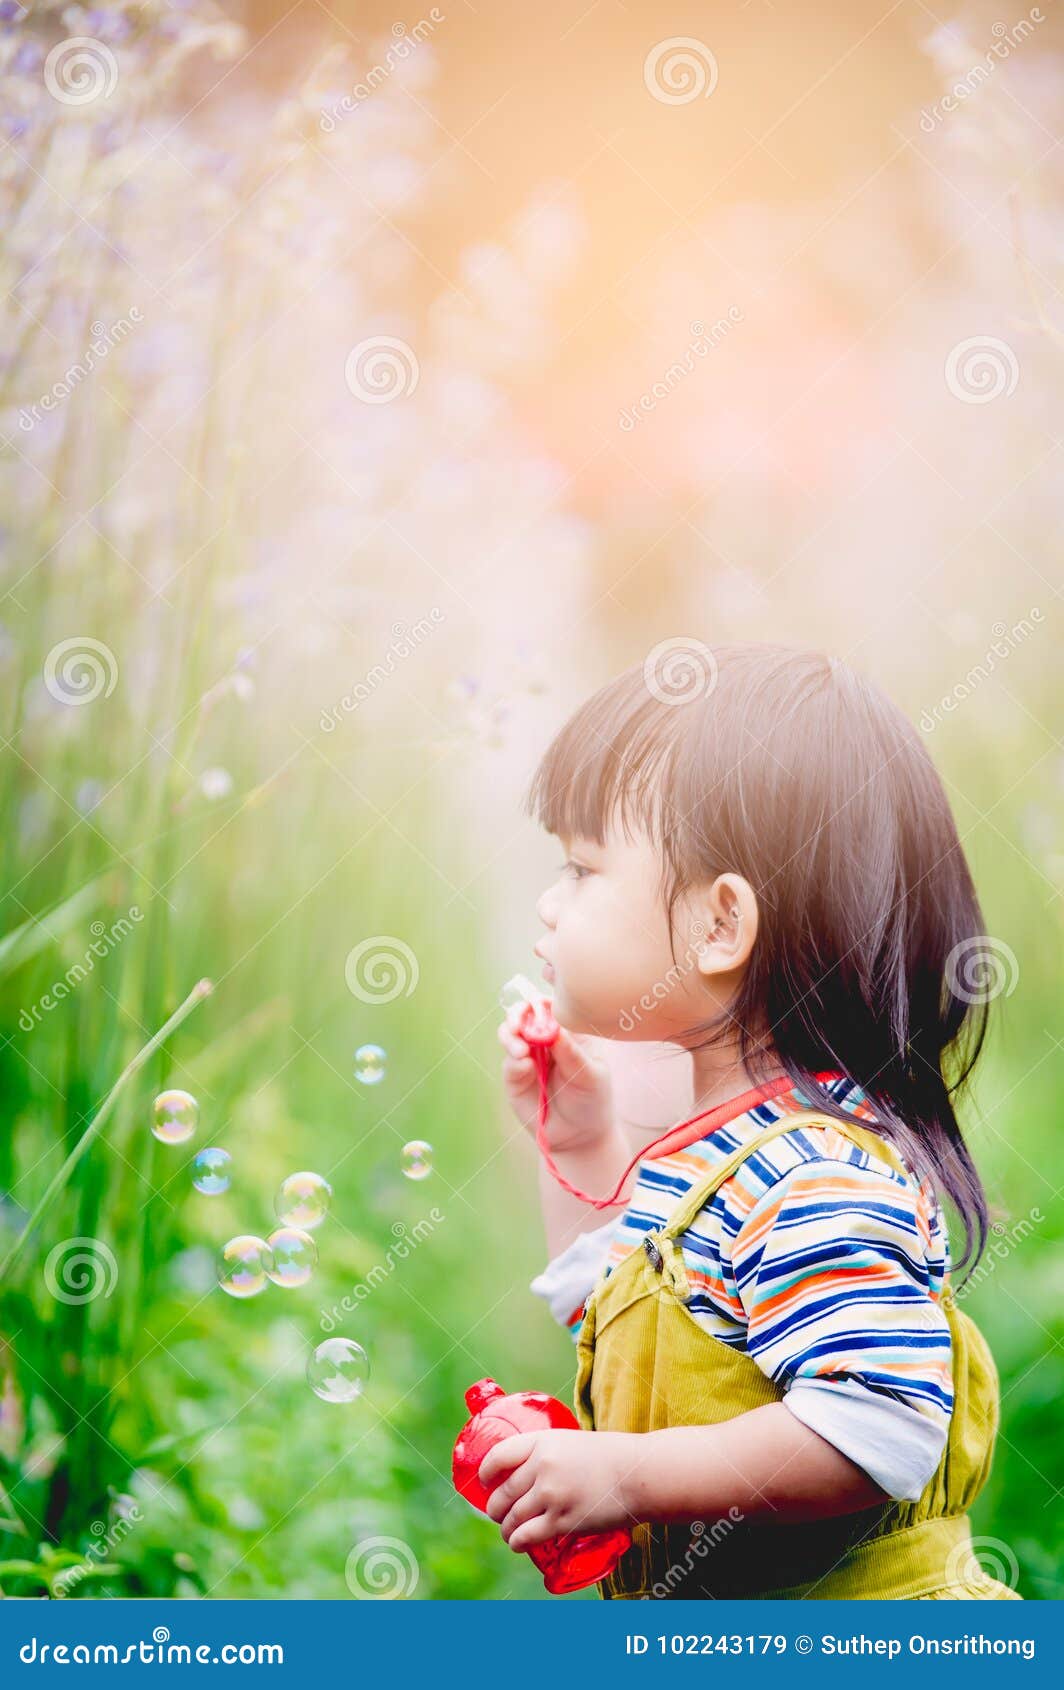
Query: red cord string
{"x": 540, "y": 1032}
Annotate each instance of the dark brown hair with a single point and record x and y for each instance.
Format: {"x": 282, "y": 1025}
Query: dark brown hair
{"x": 786, "y": 767}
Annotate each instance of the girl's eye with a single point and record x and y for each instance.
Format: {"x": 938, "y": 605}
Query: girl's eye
{"x": 576, "y": 869}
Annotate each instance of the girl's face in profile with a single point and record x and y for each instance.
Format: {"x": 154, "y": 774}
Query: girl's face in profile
{"x": 606, "y": 944}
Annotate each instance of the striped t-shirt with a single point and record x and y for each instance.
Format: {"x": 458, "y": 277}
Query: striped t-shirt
{"x": 820, "y": 1261}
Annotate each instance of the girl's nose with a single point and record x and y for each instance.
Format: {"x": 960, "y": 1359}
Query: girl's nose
{"x": 546, "y": 907}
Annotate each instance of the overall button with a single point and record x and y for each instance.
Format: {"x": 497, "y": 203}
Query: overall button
{"x": 657, "y": 1260}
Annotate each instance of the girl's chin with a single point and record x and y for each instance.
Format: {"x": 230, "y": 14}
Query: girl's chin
{"x": 576, "y": 1018}
{"x": 567, "y": 1015}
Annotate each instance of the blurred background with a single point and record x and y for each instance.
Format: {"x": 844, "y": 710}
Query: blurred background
{"x": 372, "y": 387}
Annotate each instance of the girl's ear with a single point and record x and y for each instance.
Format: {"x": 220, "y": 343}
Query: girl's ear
{"x": 728, "y": 915}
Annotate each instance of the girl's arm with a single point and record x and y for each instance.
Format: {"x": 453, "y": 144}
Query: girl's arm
{"x": 595, "y": 1169}
{"x": 763, "y": 1464}
{"x": 589, "y": 1146}
{"x": 593, "y": 1132}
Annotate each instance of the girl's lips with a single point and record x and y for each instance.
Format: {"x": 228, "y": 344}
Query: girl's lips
{"x": 548, "y": 973}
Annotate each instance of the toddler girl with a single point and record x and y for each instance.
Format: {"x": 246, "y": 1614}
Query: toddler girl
{"x": 776, "y": 1390}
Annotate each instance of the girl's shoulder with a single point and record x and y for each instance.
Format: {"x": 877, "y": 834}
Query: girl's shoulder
{"x": 794, "y": 1177}
{"x": 822, "y": 1166}
{"x": 828, "y": 1143}
{"x": 781, "y": 1153}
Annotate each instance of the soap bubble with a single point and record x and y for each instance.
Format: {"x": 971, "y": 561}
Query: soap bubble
{"x": 416, "y": 1159}
{"x": 338, "y": 1370}
{"x": 303, "y": 1201}
{"x": 216, "y": 783}
{"x": 370, "y": 1063}
{"x": 210, "y": 1171}
{"x": 295, "y": 1256}
{"x": 243, "y": 1265}
{"x": 175, "y": 1116}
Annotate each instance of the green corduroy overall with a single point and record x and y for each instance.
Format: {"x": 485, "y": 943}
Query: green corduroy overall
{"x": 644, "y": 1362}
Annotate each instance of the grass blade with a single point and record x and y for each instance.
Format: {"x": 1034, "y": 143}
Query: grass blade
{"x": 201, "y": 990}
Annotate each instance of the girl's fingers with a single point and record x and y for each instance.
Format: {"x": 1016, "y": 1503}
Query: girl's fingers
{"x": 505, "y": 1035}
{"x": 504, "y": 1457}
{"x": 506, "y": 1494}
{"x": 574, "y": 1061}
{"x": 568, "y": 1056}
{"x": 511, "y": 1040}
{"x": 518, "y": 1072}
{"x": 525, "y": 1508}
{"x": 532, "y": 1532}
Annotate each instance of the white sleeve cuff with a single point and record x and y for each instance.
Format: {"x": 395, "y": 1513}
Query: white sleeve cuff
{"x": 566, "y": 1280}
{"x": 897, "y": 1446}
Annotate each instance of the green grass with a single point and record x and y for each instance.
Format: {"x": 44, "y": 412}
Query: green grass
{"x": 196, "y": 1404}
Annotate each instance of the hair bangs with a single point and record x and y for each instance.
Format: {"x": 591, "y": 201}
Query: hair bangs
{"x": 609, "y": 764}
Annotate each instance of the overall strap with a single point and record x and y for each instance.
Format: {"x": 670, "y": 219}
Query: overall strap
{"x": 696, "y": 1198}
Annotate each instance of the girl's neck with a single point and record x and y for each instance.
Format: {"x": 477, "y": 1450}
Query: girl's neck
{"x": 719, "y": 1075}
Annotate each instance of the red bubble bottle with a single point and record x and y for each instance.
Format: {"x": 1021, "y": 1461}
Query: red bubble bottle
{"x": 569, "y": 1562}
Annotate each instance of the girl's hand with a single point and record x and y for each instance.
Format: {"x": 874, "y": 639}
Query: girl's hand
{"x": 579, "y": 1086}
{"x": 559, "y": 1481}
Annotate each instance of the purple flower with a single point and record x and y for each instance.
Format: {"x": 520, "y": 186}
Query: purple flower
{"x": 107, "y": 25}
{"x": 108, "y": 137}
{"x": 28, "y": 58}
